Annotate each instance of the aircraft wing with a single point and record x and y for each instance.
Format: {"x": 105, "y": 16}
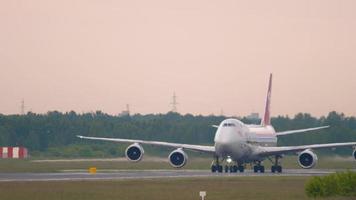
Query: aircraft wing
{"x": 268, "y": 151}
{"x": 300, "y": 130}
{"x": 199, "y": 148}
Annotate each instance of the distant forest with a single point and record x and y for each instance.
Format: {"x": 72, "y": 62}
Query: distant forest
{"x": 54, "y": 134}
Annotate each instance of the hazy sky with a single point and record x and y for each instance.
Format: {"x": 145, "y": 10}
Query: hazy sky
{"x": 88, "y": 55}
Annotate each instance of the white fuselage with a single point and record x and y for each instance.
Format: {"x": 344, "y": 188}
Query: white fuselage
{"x": 240, "y": 142}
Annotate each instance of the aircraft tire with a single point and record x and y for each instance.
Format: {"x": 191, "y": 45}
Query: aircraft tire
{"x": 262, "y": 169}
{"x": 235, "y": 168}
{"x": 220, "y": 168}
{"x": 213, "y": 168}
{"x": 279, "y": 169}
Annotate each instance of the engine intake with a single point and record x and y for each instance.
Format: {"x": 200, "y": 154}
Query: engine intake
{"x": 134, "y": 152}
{"x": 307, "y": 159}
{"x": 178, "y": 158}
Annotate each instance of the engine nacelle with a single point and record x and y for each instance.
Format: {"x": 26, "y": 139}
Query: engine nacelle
{"x": 178, "y": 158}
{"x": 354, "y": 153}
{"x": 307, "y": 159}
{"x": 134, "y": 152}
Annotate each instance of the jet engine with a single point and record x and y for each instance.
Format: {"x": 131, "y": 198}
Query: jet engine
{"x": 134, "y": 152}
{"x": 307, "y": 159}
{"x": 178, "y": 158}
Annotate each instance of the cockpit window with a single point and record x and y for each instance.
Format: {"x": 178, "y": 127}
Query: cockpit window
{"x": 228, "y": 124}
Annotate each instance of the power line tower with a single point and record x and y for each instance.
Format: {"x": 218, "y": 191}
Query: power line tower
{"x": 125, "y": 112}
{"x": 174, "y": 103}
{"x": 221, "y": 112}
{"x": 128, "y": 109}
{"x": 22, "y": 108}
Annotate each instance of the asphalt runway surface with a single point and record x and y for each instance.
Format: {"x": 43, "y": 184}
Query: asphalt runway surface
{"x": 147, "y": 174}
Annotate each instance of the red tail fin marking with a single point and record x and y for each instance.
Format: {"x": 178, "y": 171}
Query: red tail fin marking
{"x": 266, "y": 117}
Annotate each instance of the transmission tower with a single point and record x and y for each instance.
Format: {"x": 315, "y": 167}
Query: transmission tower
{"x": 221, "y": 112}
{"x": 174, "y": 103}
{"x": 128, "y": 109}
{"x": 22, "y": 108}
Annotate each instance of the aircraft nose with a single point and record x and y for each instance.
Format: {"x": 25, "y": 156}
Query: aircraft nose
{"x": 223, "y": 149}
{"x": 225, "y": 138}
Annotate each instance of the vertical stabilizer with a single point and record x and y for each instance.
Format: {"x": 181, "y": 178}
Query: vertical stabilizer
{"x": 266, "y": 120}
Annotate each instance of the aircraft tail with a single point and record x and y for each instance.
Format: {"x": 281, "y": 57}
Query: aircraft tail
{"x": 266, "y": 120}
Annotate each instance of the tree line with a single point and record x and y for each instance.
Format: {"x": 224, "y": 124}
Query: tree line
{"x": 54, "y": 133}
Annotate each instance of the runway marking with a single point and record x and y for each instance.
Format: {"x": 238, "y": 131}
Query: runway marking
{"x": 148, "y": 174}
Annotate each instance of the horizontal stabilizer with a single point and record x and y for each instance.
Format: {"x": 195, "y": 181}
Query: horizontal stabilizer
{"x": 300, "y": 130}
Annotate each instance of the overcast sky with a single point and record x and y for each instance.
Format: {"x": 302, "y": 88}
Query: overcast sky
{"x": 87, "y": 55}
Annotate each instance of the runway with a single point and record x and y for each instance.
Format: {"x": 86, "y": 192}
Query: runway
{"x": 147, "y": 174}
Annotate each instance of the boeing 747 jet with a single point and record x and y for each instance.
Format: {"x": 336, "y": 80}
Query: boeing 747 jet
{"x": 237, "y": 144}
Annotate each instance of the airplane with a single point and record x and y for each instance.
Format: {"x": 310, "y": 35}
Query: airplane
{"x": 237, "y": 144}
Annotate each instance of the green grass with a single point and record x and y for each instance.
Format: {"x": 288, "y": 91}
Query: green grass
{"x": 217, "y": 188}
{"x": 8, "y": 165}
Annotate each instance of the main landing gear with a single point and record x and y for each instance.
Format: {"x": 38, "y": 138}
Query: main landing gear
{"x": 234, "y": 167}
{"x": 216, "y": 167}
{"x": 276, "y": 167}
{"x": 259, "y": 168}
